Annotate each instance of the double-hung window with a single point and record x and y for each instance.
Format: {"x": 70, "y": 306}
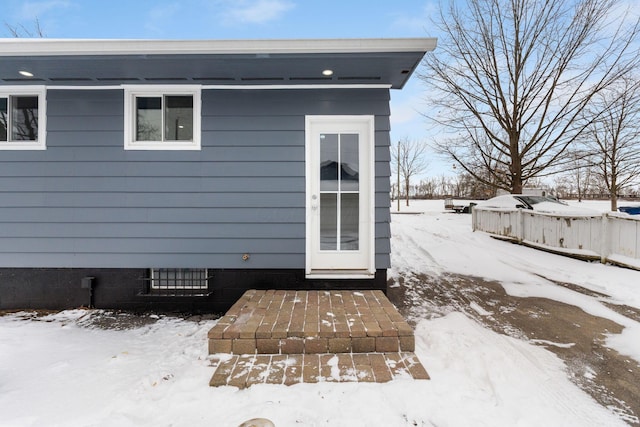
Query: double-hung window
{"x": 162, "y": 118}
{"x": 22, "y": 118}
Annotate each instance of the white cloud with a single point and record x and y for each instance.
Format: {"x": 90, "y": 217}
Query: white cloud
{"x": 406, "y": 116}
{"x": 418, "y": 22}
{"x": 408, "y": 105}
{"x": 31, "y": 10}
{"x": 158, "y": 18}
{"x": 404, "y": 113}
{"x": 255, "y": 11}
{"x": 623, "y": 14}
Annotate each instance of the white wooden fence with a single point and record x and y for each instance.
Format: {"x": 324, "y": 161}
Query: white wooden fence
{"x": 609, "y": 237}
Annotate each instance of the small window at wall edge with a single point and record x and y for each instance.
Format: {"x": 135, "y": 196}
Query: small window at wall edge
{"x": 22, "y": 109}
{"x": 172, "y": 116}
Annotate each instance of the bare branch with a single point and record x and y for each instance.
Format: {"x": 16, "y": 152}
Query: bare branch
{"x": 20, "y": 30}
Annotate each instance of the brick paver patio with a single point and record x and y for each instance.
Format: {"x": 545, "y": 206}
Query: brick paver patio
{"x": 288, "y": 337}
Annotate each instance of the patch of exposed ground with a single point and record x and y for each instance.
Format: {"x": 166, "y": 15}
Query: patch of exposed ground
{"x": 107, "y": 319}
{"x": 625, "y": 310}
{"x": 116, "y": 320}
{"x": 575, "y": 336}
{"x": 576, "y": 288}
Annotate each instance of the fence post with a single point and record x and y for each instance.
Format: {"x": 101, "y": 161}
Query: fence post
{"x": 473, "y": 219}
{"x": 520, "y": 231}
{"x": 604, "y": 241}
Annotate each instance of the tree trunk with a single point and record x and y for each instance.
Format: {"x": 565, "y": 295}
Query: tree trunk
{"x": 516, "y": 184}
{"x": 613, "y": 194}
{"x": 579, "y": 188}
{"x": 406, "y": 187}
{"x": 516, "y": 165}
{"x": 614, "y": 202}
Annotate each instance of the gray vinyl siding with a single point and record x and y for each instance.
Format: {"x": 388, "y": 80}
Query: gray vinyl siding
{"x": 86, "y": 202}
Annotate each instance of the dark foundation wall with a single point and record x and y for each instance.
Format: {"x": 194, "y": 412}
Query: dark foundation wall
{"x": 127, "y": 289}
{"x": 59, "y": 288}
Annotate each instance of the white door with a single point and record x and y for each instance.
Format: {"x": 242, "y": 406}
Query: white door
{"x": 339, "y": 200}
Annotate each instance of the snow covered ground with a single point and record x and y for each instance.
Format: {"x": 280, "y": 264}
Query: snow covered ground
{"x": 64, "y": 370}
{"x": 434, "y": 243}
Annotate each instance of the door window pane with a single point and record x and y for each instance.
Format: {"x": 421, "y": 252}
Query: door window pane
{"x": 24, "y": 117}
{"x": 3, "y": 119}
{"x": 328, "y": 162}
{"x": 349, "y": 222}
{"x": 179, "y": 118}
{"x": 148, "y": 118}
{"x": 349, "y": 167}
{"x": 328, "y": 221}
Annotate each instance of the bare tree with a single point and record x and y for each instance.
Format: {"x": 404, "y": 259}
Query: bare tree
{"x": 511, "y": 78}
{"x": 408, "y": 159}
{"x": 427, "y": 188}
{"x": 613, "y": 137}
{"x": 21, "y": 30}
{"x": 579, "y": 170}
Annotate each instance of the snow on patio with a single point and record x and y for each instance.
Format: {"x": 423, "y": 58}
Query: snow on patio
{"x": 66, "y": 369}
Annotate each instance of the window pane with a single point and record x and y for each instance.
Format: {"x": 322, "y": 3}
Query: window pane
{"x": 349, "y": 221}
{"x": 148, "y": 118}
{"x": 24, "y": 117}
{"x": 179, "y": 118}
{"x": 349, "y": 162}
{"x": 3, "y": 119}
{"x": 328, "y": 221}
{"x": 328, "y": 162}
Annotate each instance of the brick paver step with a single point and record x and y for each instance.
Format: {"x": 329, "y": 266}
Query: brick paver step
{"x": 246, "y": 370}
{"x": 312, "y": 322}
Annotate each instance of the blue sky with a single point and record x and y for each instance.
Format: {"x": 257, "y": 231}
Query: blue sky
{"x": 244, "y": 19}
{"x": 222, "y": 19}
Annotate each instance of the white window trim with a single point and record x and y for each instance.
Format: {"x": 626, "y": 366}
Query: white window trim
{"x": 130, "y": 94}
{"x": 41, "y": 93}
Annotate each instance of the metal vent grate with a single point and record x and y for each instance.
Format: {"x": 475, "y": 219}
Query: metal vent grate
{"x": 187, "y": 281}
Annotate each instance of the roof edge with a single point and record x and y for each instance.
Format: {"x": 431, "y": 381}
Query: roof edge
{"x": 59, "y": 47}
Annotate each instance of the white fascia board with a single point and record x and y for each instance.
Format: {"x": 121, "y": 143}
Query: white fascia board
{"x": 55, "y": 47}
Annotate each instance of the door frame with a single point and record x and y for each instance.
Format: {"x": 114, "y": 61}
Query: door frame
{"x": 367, "y": 185}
